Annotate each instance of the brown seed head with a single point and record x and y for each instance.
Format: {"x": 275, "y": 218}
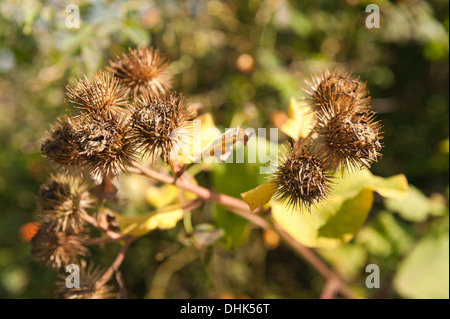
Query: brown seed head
{"x": 105, "y": 147}
{"x": 158, "y": 122}
{"x": 143, "y": 70}
{"x": 60, "y": 146}
{"x": 89, "y": 289}
{"x": 326, "y": 88}
{"x": 56, "y": 248}
{"x": 302, "y": 179}
{"x": 62, "y": 201}
{"x": 100, "y": 96}
{"x": 349, "y": 139}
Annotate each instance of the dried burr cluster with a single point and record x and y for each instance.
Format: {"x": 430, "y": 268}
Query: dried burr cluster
{"x": 345, "y": 136}
{"x": 118, "y": 114}
{"x": 128, "y": 111}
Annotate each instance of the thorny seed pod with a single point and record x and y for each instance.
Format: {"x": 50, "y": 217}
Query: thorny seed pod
{"x": 89, "y": 287}
{"x": 60, "y": 146}
{"x": 302, "y": 179}
{"x": 160, "y": 124}
{"x": 105, "y": 146}
{"x": 143, "y": 70}
{"x": 328, "y": 87}
{"x": 62, "y": 201}
{"x": 348, "y": 139}
{"x": 100, "y": 96}
{"x": 56, "y": 248}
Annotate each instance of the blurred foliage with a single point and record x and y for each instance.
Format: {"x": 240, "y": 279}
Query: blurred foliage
{"x": 242, "y": 61}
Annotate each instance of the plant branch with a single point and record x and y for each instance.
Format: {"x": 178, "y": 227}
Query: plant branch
{"x": 116, "y": 263}
{"x": 240, "y": 208}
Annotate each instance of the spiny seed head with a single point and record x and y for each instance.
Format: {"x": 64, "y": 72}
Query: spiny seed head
{"x": 302, "y": 179}
{"x": 89, "y": 287}
{"x": 62, "y": 201}
{"x": 100, "y": 96}
{"x": 327, "y": 87}
{"x": 60, "y": 146}
{"x": 159, "y": 123}
{"x": 104, "y": 147}
{"x": 348, "y": 139}
{"x": 56, "y": 248}
{"x": 143, "y": 70}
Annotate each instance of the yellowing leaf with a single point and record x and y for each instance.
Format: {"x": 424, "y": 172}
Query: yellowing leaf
{"x": 336, "y": 221}
{"x": 300, "y": 121}
{"x": 167, "y": 194}
{"x": 209, "y": 131}
{"x": 222, "y": 146}
{"x": 194, "y": 139}
{"x": 390, "y": 187}
{"x": 424, "y": 273}
{"x": 140, "y": 225}
{"x": 312, "y": 229}
{"x": 202, "y": 139}
{"x": 161, "y": 196}
{"x": 260, "y": 195}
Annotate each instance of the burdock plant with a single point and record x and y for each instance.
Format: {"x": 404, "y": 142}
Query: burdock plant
{"x": 127, "y": 112}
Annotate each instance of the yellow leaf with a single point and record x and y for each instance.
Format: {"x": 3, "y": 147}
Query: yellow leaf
{"x": 222, "y": 146}
{"x": 167, "y": 194}
{"x": 328, "y": 226}
{"x": 140, "y": 225}
{"x": 300, "y": 121}
{"x": 161, "y": 196}
{"x": 260, "y": 195}
{"x": 200, "y": 133}
{"x": 336, "y": 221}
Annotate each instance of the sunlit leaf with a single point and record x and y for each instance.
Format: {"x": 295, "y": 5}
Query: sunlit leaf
{"x": 140, "y": 225}
{"x": 416, "y": 207}
{"x": 425, "y": 271}
{"x": 348, "y": 260}
{"x": 312, "y": 230}
{"x": 300, "y": 121}
{"x": 222, "y": 146}
{"x": 260, "y": 195}
{"x": 161, "y": 196}
{"x": 336, "y": 221}
{"x": 203, "y": 140}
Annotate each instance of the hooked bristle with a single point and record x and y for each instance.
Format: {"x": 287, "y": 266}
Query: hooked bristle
{"x": 142, "y": 71}
{"x": 99, "y": 96}
{"x": 156, "y": 121}
{"x": 327, "y": 87}
{"x": 88, "y": 286}
{"x": 57, "y": 248}
{"x": 62, "y": 201}
{"x": 349, "y": 140}
{"x": 302, "y": 179}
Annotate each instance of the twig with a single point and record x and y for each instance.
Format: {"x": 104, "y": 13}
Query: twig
{"x": 101, "y": 240}
{"x": 116, "y": 263}
{"x": 111, "y": 234}
{"x": 329, "y": 290}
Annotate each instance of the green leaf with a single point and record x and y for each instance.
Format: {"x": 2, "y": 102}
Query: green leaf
{"x": 337, "y": 220}
{"x": 348, "y": 260}
{"x": 136, "y": 33}
{"x": 234, "y": 179}
{"x": 416, "y": 207}
{"x": 424, "y": 273}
